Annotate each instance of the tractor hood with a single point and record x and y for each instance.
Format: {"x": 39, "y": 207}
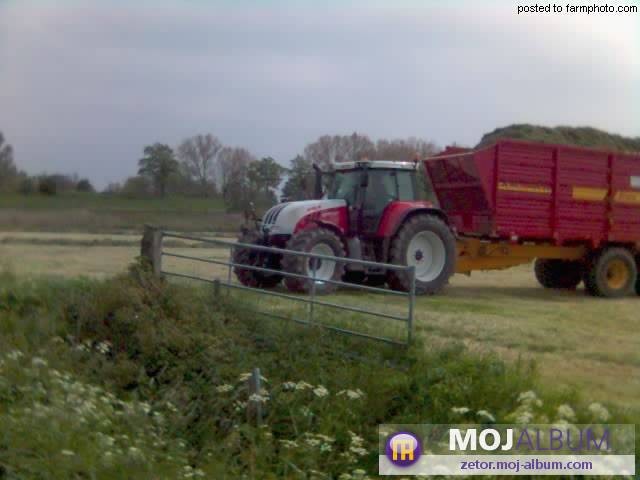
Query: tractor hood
{"x": 282, "y": 219}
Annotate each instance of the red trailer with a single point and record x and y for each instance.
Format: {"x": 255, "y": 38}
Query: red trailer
{"x": 576, "y": 210}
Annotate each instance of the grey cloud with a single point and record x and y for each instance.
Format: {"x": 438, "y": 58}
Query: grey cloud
{"x": 83, "y": 88}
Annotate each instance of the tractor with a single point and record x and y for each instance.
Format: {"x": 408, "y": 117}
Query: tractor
{"x": 364, "y": 210}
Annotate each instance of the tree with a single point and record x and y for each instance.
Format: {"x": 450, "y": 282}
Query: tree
{"x": 8, "y": 170}
{"x": 233, "y": 166}
{"x": 264, "y": 175}
{"x": 47, "y": 185}
{"x": 135, "y": 187}
{"x": 300, "y": 182}
{"x": 198, "y": 154}
{"x": 85, "y": 186}
{"x": 328, "y": 149}
{"x": 404, "y": 150}
{"x": 157, "y": 165}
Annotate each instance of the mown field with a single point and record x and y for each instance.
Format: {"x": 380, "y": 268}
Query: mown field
{"x": 577, "y": 342}
{"x": 96, "y": 213}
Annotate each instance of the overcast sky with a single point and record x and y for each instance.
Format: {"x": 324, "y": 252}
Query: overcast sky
{"x": 85, "y": 85}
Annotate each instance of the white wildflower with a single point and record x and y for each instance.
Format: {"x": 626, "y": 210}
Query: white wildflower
{"x": 529, "y": 398}
{"x": 256, "y": 397}
{"x": 320, "y": 391}
{"x": 312, "y": 442}
{"x": 358, "y": 474}
{"x": 303, "y": 386}
{"x": 460, "y": 410}
{"x": 224, "y": 388}
{"x": 289, "y": 386}
{"x": 104, "y": 347}
{"x": 244, "y": 376}
{"x": 566, "y": 412}
{"x": 524, "y": 416}
{"x": 14, "y": 354}
{"x": 38, "y": 362}
{"x": 326, "y": 447}
{"x": 289, "y": 443}
{"x": 599, "y": 412}
{"x": 352, "y": 394}
{"x": 67, "y": 453}
{"x": 486, "y": 415}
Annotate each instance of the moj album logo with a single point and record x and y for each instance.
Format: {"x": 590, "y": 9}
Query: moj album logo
{"x": 507, "y": 449}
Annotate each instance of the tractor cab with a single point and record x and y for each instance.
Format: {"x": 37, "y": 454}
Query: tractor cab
{"x": 368, "y": 188}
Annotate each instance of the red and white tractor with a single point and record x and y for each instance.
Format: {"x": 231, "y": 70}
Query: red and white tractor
{"x": 369, "y": 211}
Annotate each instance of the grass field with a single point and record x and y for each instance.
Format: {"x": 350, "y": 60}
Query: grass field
{"x": 577, "y": 341}
{"x": 97, "y": 213}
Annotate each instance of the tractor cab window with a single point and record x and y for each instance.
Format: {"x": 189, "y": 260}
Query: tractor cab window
{"x": 344, "y": 185}
{"x": 406, "y": 185}
{"x": 382, "y": 190}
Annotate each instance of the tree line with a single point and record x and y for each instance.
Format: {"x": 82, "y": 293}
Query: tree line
{"x": 203, "y": 166}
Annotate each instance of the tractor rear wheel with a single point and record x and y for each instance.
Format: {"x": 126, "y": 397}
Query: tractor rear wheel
{"x": 254, "y": 258}
{"x": 612, "y": 273}
{"x": 319, "y": 241}
{"x": 425, "y": 242}
{"x": 558, "y": 274}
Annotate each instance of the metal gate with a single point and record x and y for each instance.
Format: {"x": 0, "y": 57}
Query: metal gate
{"x": 153, "y": 248}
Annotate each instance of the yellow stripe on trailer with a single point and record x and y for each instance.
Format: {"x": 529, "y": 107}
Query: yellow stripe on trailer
{"x": 521, "y": 187}
{"x": 590, "y": 194}
{"x": 627, "y": 196}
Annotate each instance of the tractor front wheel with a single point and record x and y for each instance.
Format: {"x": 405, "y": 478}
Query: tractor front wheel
{"x": 558, "y": 274}
{"x": 612, "y": 273}
{"x": 425, "y": 242}
{"x": 320, "y": 241}
{"x": 254, "y": 258}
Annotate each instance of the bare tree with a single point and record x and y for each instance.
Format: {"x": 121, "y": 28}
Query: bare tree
{"x": 198, "y": 155}
{"x": 233, "y": 165}
{"x": 329, "y": 149}
{"x": 404, "y": 149}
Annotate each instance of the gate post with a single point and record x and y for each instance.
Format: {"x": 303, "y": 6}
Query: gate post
{"x": 151, "y": 248}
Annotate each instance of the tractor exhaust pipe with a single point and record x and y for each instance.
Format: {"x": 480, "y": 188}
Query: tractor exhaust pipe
{"x": 317, "y": 191}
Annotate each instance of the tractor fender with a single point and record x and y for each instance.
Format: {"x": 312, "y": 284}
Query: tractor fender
{"x": 397, "y": 213}
{"x": 334, "y": 219}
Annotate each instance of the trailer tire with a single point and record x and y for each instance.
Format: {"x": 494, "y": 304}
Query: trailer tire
{"x": 426, "y": 242}
{"x": 558, "y": 274}
{"x": 612, "y": 273}
{"x": 247, "y": 256}
{"x": 317, "y": 240}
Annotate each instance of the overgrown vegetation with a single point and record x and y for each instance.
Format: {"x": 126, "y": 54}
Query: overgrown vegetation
{"x": 139, "y": 376}
{"x": 580, "y": 136}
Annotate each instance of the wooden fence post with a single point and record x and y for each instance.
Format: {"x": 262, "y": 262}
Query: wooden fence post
{"x": 151, "y": 248}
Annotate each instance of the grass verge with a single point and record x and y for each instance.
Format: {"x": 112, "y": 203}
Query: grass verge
{"x": 144, "y": 378}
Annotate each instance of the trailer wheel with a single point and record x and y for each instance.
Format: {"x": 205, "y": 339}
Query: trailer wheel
{"x": 558, "y": 274}
{"x": 612, "y": 273}
{"x": 427, "y": 243}
{"x": 319, "y": 241}
{"x": 247, "y": 256}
